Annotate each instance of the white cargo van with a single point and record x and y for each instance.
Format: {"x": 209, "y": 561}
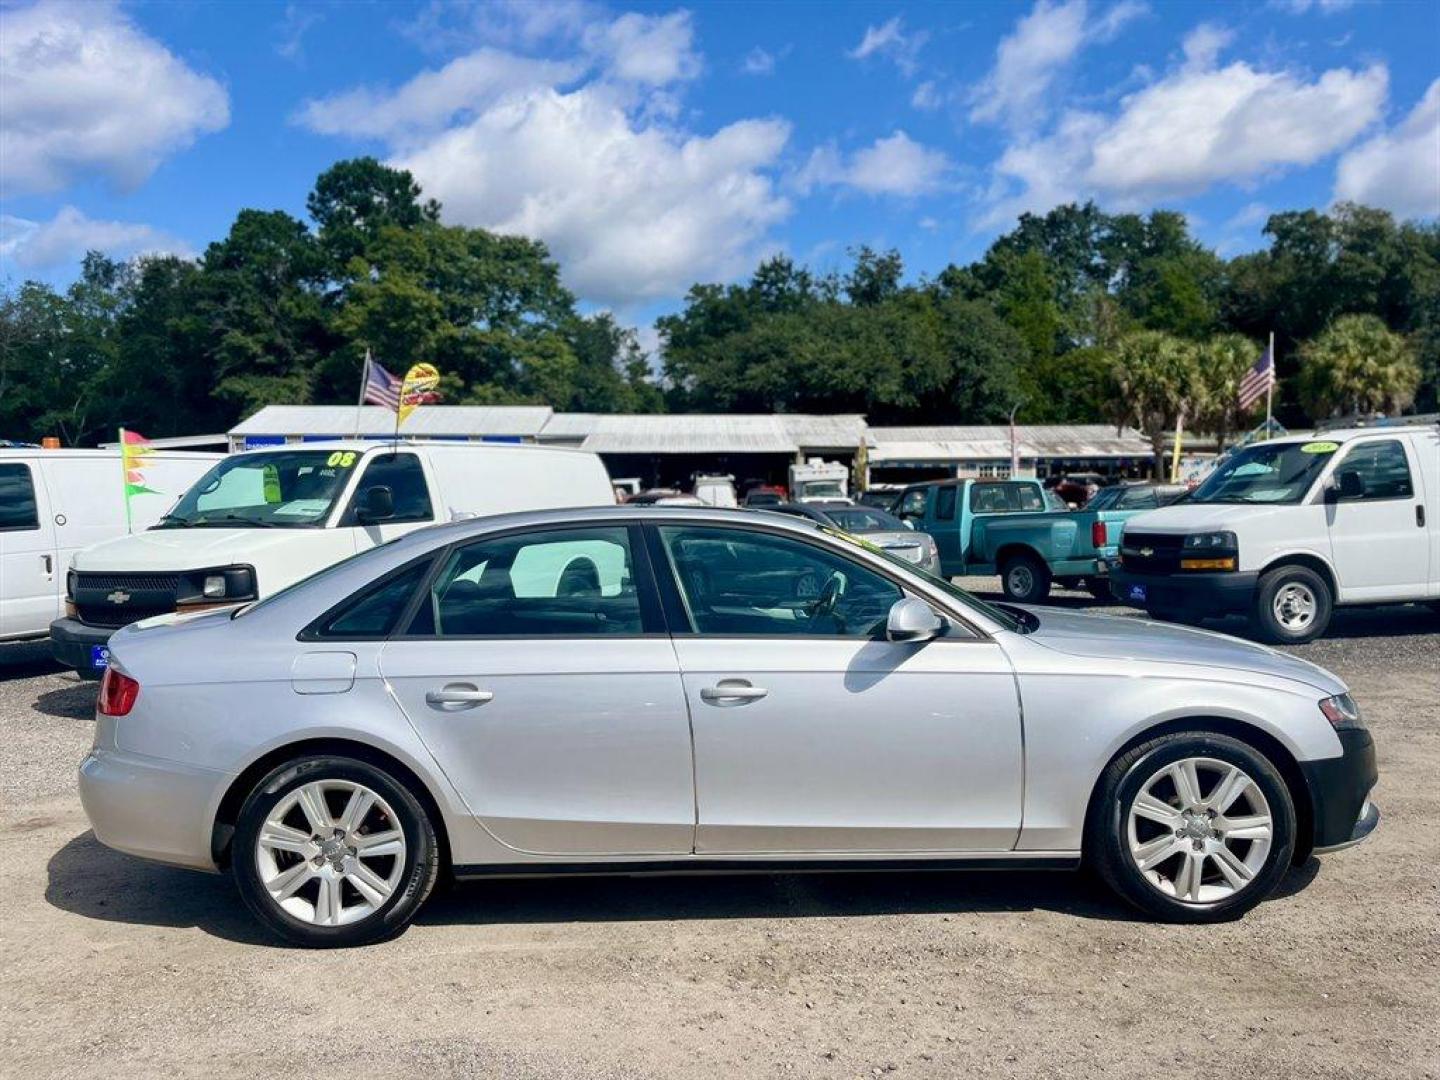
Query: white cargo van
{"x": 260, "y": 520}
{"x": 55, "y": 502}
{"x": 1284, "y": 531}
{"x": 818, "y": 480}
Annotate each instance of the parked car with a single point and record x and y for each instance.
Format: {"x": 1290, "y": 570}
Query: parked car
{"x": 1015, "y": 528}
{"x": 1286, "y": 530}
{"x": 624, "y": 690}
{"x": 53, "y": 503}
{"x": 258, "y": 521}
{"x": 881, "y": 498}
{"x": 1077, "y": 489}
{"x": 879, "y": 528}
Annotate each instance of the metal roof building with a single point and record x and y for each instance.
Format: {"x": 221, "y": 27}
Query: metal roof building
{"x": 277, "y": 424}
{"x": 979, "y": 450}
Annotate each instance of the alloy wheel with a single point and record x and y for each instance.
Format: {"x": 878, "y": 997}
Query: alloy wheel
{"x": 1200, "y": 830}
{"x": 331, "y": 852}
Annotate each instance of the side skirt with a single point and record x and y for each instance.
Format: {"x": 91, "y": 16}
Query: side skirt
{"x": 672, "y": 867}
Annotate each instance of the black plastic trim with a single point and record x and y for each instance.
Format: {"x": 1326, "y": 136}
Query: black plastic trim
{"x": 1339, "y": 786}
{"x": 704, "y": 865}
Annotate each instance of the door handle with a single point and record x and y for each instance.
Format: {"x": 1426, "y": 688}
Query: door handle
{"x": 49, "y": 564}
{"x": 731, "y": 692}
{"x": 1420, "y": 514}
{"x": 456, "y": 696}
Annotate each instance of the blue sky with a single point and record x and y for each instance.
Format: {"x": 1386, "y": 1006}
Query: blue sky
{"x": 655, "y": 145}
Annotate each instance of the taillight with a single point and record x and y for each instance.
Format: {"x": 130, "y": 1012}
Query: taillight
{"x": 1097, "y": 534}
{"x": 117, "y": 693}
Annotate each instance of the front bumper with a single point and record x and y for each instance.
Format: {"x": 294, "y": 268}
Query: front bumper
{"x": 1340, "y": 792}
{"x": 1198, "y": 594}
{"x": 155, "y": 809}
{"x": 72, "y": 642}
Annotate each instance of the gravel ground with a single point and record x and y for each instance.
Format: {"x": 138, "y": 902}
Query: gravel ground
{"x": 109, "y": 965}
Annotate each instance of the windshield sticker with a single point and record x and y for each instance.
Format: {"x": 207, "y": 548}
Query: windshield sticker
{"x": 341, "y": 459}
{"x": 303, "y": 507}
{"x": 1320, "y": 448}
{"x": 270, "y": 483}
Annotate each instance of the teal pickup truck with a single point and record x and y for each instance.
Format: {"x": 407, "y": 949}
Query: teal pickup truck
{"x": 1017, "y": 529}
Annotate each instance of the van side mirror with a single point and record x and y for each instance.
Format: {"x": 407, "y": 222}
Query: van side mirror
{"x": 377, "y": 504}
{"x": 913, "y": 621}
{"x": 1349, "y": 484}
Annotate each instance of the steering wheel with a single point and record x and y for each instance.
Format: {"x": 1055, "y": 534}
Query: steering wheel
{"x": 824, "y": 605}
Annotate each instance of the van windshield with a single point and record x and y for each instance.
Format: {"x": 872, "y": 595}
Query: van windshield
{"x": 290, "y": 489}
{"x": 821, "y": 489}
{"x": 1266, "y": 473}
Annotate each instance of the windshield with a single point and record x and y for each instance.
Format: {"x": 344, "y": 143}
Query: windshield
{"x": 1266, "y": 473}
{"x": 290, "y": 489}
{"x": 960, "y": 596}
{"x": 865, "y": 519}
{"x": 822, "y": 489}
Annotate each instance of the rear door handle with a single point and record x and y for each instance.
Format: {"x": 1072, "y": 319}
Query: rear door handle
{"x": 456, "y": 696}
{"x": 732, "y": 692}
{"x": 1420, "y": 514}
{"x": 49, "y": 564}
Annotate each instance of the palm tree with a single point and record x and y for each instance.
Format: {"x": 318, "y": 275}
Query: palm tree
{"x": 1224, "y": 360}
{"x": 1157, "y": 379}
{"x": 1357, "y": 365}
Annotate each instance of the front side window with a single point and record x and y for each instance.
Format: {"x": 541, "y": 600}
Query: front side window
{"x": 405, "y": 478}
{"x": 18, "y": 511}
{"x": 742, "y": 582}
{"x": 560, "y": 582}
{"x": 288, "y": 489}
{"x": 1383, "y": 467}
{"x": 1266, "y": 473}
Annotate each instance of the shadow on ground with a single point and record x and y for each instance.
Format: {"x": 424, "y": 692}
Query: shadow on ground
{"x": 88, "y": 879}
{"x": 73, "y": 702}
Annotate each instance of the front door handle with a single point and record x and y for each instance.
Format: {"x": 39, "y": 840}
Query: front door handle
{"x": 1420, "y": 514}
{"x": 452, "y": 697}
{"x": 731, "y": 692}
{"x": 49, "y": 564}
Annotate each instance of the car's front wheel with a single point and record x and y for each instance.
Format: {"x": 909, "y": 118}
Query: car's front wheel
{"x": 1292, "y": 605}
{"x": 332, "y": 851}
{"x": 1192, "y": 827}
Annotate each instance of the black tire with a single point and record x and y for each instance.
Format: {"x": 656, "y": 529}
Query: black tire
{"x": 1304, "y": 581}
{"x": 421, "y": 859}
{"x": 1107, "y": 847}
{"x": 1025, "y": 578}
{"x": 1100, "y": 589}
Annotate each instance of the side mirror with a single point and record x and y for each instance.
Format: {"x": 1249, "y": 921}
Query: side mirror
{"x": 1349, "y": 484}
{"x": 377, "y": 504}
{"x": 912, "y": 621}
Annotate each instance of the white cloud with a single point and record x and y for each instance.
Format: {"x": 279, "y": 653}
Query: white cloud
{"x": 291, "y": 30}
{"x": 84, "y": 91}
{"x": 1197, "y": 126}
{"x": 632, "y": 212}
{"x": 890, "y": 40}
{"x": 758, "y": 62}
{"x": 1398, "y": 169}
{"x": 1203, "y": 45}
{"x": 894, "y": 165}
{"x": 1029, "y": 59}
{"x": 433, "y": 99}
{"x": 928, "y": 96}
{"x": 649, "y": 50}
{"x": 64, "y": 239}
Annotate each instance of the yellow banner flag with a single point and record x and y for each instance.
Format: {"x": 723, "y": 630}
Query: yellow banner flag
{"x": 418, "y": 388}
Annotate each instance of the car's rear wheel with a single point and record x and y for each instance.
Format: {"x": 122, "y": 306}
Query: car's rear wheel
{"x": 1292, "y": 605}
{"x": 333, "y": 851}
{"x": 1025, "y": 578}
{"x": 1192, "y": 827}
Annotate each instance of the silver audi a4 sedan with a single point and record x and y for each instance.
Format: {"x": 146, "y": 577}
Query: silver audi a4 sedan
{"x": 637, "y": 689}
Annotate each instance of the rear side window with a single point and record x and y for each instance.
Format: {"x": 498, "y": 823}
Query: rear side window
{"x": 18, "y": 511}
{"x": 557, "y": 582}
{"x": 402, "y": 474}
{"x": 375, "y": 612}
{"x": 945, "y": 502}
{"x": 1383, "y": 467}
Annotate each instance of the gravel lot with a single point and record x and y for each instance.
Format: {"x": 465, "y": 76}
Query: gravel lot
{"x": 111, "y": 965}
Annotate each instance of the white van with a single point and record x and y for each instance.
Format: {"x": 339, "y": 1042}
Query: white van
{"x": 55, "y": 502}
{"x": 1284, "y": 531}
{"x": 263, "y": 519}
{"x": 716, "y": 490}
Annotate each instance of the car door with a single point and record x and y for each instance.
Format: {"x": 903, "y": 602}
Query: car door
{"x": 1379, "y": 540}
{"x": 410, "y": 495}
{"x": 813, "y": 733}
{"x": 537, "y": 672}
{"x": 944, "y": 527}
{"x": 31, "y": 578}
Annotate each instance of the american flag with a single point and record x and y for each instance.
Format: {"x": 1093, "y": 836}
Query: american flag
{"x": 381, "y": 388}
{"x": 1259, "y": 380}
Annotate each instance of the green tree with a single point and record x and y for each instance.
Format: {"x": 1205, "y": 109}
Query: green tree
{"x": 1157, "y": 380}
{"x": 353, "y": 200}
{"x": 1224, "y": 360}
{"x": 1357, "y": 365}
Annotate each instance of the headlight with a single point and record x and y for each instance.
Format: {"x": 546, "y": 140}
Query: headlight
{"x": 1342, "y": 712}
{"x": 1210, "y": 551}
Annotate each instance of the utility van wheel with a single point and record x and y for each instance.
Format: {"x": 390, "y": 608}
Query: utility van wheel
{"x": 1025, "y": 579}
{"x": 1292, "y": 605}
{"x": 332, "y": 851}
{"x": 1192, "y": 827}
